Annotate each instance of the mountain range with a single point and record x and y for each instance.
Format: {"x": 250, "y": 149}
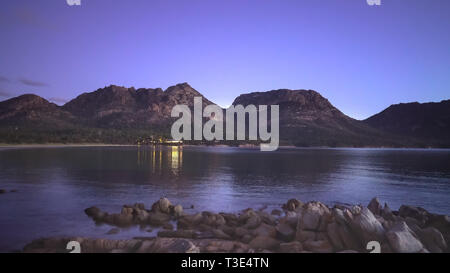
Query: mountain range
{"x": 115, "y": 114}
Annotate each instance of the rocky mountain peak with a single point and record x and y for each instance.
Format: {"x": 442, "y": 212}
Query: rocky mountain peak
{"x": 298, "y": 100}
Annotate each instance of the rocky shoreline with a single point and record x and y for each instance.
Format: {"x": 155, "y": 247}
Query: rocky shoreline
{"x": 296, "y": 227}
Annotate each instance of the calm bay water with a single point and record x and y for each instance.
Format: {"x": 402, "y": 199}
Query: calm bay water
{"x": 55, "y": 184}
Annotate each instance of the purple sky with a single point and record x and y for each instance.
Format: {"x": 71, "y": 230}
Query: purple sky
{"x": 362, "y": 58}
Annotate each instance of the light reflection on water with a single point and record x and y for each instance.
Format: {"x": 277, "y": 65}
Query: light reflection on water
{"x": 55, "y": 185}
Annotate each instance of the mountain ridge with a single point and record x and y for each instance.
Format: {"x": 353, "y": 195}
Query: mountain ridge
{"x": 120, "y": 114}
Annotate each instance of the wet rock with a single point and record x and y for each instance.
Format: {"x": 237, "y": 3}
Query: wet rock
{"x": 342, "y": 217}
{"x": 305, "y": 235}
{"x": 285, "y": 232}
{"x": 252, "y": 222}
{"x": 290, "y": 220}
{"x": 227, "y": 230}
{"x": 219, "y": 234}
{"x": 140, "y": 206}
{"x": 267, "y": 218}
{"x": 171, "y": 245}
{"x": 264, "y": 242}
{"x": 168, "y": 226}
{"x": 94, "y": 213}
{"x": 220, "y": 220}
{"x": 208, "y": 218}
{"x": 246, "y": 215}
{"x": 292, "y": 247}
{"x": 225, "y": 246}
{"x": 229, "y": 217}
{"x": 246, "y": 238}
{"x": 276, "y": 212}
{"x": 313, "y": 213}
{"x": 122, "y": 220}
{"x": 180, "y": 233}
{"x": 432, "y": 239}
{"x": 264, "y": 230}
{"x": 386, "y": 213}
{"x": 293, "y": 214}
{"x": 418, "y": 213}
{"x": 412, "y": 221}
{"x": 367, "y": 227}
{"x": 321, "y": 236}
{"x": 163, "y": 205}
{"x": 178, "y": 211}
{"x": 241, "y": 232}
{"x": 220, "y": 246}
{"x": 402, "y": 239}
{"x": 375, "y": 206}
{"x": 158, "y": 219}
{"x": 142, "y": 216}
{"x": 321, "y": 246}
{"x": 442, "y": 223}
{"x": 335, "y": 238}
{"x": 127, "y": 210}
{"x": 113, "y": 231}
{"x": 189, "y": 221}
{"x": 292, "y": 205}
{"x": 349, "y": 240}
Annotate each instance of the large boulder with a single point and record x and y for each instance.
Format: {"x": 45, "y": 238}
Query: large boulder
{"x": 386, "y": 213}
{"x": 403, "y": 240}
{"x": 348, "y": 239}
{"x": 366, "y": 226}
{"x": 180, "y": 233}
{"x": 342, "y": 217}
{"x": 189, "y": 221}
{"x": 292, "y": 205}
{"x": 418, "y": 213}
{"x": 158, "y": 218}
{"x": 178, "y": 211}
{"x": 322, "y": 246}
{"x": 285, "y": 232}
{"x": 442, "y": 223}
{"x": 252, "y": 222}
{"x": 219, "y": 234}
{"x": 169, "y": 245}
{"x": 264, "y": 230}
{"x": 264, "y": 243}
{"x": 245, "y": 215}
{"x": 127, "y": 210}
{"x": 375, "y": 206}
{"x": 314, "y": 216}
{"x": 240, "y": 232}
{"x": 432, "y": 239}
{"x": 122, "y": 220}
{"x": 94, "y": 213}
{"x": 292, "y": 247}
{"x": 335, "y": 238}
{"x": 163, "y": 205}
{"x": 266, "y": 218}
{"x": 142, "y": 216}
{"x": 305, "y": 235}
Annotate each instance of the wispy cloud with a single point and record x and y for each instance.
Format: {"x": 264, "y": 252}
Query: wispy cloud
{"x": 58, "y": 100}
{"x": 33, "y": 83}
{"x": 4, "y": 79}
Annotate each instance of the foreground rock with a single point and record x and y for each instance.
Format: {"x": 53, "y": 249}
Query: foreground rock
{"x": 299, "y": 227}
{"x": 160, "y": 214}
